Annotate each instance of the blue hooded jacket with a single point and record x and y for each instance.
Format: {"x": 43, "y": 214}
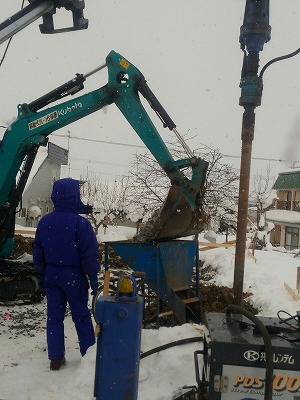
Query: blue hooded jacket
{"x": 64, "y": 238}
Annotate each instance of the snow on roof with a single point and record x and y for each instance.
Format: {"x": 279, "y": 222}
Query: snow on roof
{"x": 288, "y": 180}
{"x": 283, "y": 216}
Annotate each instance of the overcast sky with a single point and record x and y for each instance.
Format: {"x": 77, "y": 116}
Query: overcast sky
{"x": 189, "y": 53}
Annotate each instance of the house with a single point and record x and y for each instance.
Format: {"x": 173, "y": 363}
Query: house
{"x": 286, "y": 216}
{"x": 36, "y": 201}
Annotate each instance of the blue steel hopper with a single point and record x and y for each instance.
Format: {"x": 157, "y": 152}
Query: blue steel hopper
{"x": 169, "y": 267}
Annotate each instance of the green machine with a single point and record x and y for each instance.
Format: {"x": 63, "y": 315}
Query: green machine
{"x": 182, "y": 213}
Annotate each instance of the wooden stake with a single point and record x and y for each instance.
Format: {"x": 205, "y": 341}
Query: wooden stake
{"x": 105, "y": 293}
{"x": 106, "y": 283}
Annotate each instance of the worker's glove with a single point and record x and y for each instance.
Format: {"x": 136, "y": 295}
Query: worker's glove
{"x": 94, "y": 283}
{"x": 41, "y": 284}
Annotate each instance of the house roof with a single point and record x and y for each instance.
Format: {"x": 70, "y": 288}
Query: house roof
{"x": 57, "y": 154}
{"x": 287, "y": 180}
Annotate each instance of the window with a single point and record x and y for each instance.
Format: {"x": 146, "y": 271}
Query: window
{"x": 291, "y": 238}
{"x": 288, "y": 200}
{"x": 23, "y": 212}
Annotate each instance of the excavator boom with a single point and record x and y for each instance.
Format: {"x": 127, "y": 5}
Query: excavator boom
{"x": 181, "y": 214}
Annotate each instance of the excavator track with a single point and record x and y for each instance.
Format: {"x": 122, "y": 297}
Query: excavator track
{"x": 18, "y": 283}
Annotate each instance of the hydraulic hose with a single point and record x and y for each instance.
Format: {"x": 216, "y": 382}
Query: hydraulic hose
{"x": 294, "y": 53}
{"x": 267, "y": 342}
{"x": 171, "y": 344}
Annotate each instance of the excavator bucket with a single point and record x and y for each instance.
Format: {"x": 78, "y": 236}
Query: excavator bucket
{"x": 175, "y": 219}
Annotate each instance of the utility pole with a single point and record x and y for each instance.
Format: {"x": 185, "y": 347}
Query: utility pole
{"x": 254, "y": 33}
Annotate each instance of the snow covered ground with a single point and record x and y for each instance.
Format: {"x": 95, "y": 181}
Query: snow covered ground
{"x": 24, "y": 368}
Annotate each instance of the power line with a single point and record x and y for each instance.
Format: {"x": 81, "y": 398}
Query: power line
{"x": 143, "y": 147}
{"x": 94, "y": 172}
{"x": 5, "y": 51}
{"x": 263, "y": 159}
{"x": 140, "y": 146}
{"x": 9, "y": 42}
{"x": 98, "y": 162}
{"x": 101, "y": 141}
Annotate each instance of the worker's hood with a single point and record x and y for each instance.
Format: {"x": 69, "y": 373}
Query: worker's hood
{"x": 66, "y": 196}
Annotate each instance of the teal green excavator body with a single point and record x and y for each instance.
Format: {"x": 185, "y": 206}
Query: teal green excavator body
{"x": 32, "y": 127}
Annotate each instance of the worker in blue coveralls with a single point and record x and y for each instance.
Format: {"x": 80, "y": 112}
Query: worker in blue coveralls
{"x": 65, "y": 255}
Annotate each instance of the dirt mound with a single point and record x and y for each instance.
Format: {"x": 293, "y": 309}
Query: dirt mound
{"x": 22, "y": 245}
{"x": 216, "y": 298}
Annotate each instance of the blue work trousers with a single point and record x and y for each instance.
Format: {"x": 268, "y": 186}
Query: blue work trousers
{"x": 67, "y": 285}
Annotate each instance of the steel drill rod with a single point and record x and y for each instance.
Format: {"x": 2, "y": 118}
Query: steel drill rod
{"x": 247, "y": 139}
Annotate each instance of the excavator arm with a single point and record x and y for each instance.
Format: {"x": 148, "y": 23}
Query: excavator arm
{"x": 125, "y": 82}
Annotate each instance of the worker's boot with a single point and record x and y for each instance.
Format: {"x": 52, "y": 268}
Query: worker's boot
{"x": 55, "y": 365}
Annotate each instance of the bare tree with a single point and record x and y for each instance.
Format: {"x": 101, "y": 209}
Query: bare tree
{"x": 149, "y": 185}
{"x": 265, "y": 197}
{"x": 108, "y": 199}
{"x": 221, "y": 190}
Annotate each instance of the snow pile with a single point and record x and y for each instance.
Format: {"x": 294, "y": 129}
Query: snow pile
{"x": 114, "y": 233}
{"x": 24, "y": 367}
{"x": 264, "y": 276}
{"x": 34, "y": 212}
{"x": 25, "y": 374}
